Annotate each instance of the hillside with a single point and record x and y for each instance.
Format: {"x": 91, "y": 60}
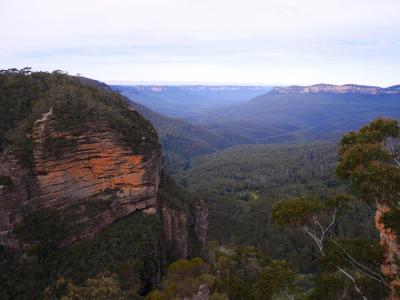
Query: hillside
{"x": 82, "y": 194}
{"x": 188, "y": 102}
{"x": 181, "y": 140}
{"x": 295, "y": 114}
{"x": 240, "y": 185}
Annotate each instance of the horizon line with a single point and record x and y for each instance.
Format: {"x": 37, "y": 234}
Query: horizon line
{"x": 211, "y": 83}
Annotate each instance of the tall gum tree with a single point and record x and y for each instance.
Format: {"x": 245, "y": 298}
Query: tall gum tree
{"x": 369, "y": 160}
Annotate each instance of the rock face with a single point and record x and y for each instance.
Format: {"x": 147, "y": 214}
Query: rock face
{"x": 80, "y": 170}
{"x": 200, "y": 217}
{"x": 338, "y": 89}
{"x": 184, "y": 229}
{"x": 391, "y": 247}
{"x": 175, "y": 229}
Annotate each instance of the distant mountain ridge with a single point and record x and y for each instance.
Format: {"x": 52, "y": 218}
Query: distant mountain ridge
{"x": 189, "y": 101}
{"x": 305, "y": 113}
{"x": 160, "y": 88}
{"x": 338, "y": 89}
{"x": 321, "y": 112}
{"x": 182, "y": 140}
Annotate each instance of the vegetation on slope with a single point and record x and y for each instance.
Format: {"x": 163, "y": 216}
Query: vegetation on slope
{"x": 25, "y": 96}
{"x": 300, "y": 117}
{"x": 230, "y": 273}
{"x": 241, "y": 184}
{"x": 130, "y": 249}
{"x": 180, "y": 140}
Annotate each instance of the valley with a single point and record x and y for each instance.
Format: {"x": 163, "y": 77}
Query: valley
{"x": 280, "y": 145}
{"x": 189, "y": 102}
{"x": 98, "y": 190}
{"x": 199, "y": 150}
{"x": 282, "y": 115}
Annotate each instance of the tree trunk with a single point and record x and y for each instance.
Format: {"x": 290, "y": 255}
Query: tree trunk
{"x": 391, "y": 251}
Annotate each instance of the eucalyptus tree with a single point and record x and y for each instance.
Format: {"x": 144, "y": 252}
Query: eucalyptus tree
{"x": 369, "y": 160}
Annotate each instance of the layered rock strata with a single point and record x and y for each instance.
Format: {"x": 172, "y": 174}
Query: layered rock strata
{"x": 391, "y": 251}
{"x": 184, "y": 229}
{"x": 74, "y": 167}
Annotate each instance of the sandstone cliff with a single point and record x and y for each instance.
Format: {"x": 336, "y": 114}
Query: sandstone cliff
{"x": 73, "y": 150}
{"x": 185, "y": 230}
{"x": 184, "y": 221}
{"x": 338, "y": 89}
{"x": 391, "y": 251}
{"x": 92, "y": 160}
{"x": 95, "y": 170}
{"x": 80, "y": 171}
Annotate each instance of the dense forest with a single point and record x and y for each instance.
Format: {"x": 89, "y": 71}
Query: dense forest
{"x": 286, "y": 221}
{"x": 242, "y": 183}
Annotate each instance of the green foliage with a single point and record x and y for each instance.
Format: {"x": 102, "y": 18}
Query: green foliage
{"x": 343, "y": 252}
{"x": 391, "y": 219}
{"x": 296, "y": 212}
{"x": 183, "y": 268}
{"x": 172, "y": 195}
{"x": 182, "y": 279}
{"x": 230, "y": 273}
{"x": 361, "y": 258}
{"x": 25, "y": 96}
{"x": 333, "y": 286}
{"x": 45, "y": 228}
{"x": 276, "y": 278}
{"x": 330, "y": 286}
{"x": 41, "y": 225}
{"x": 276, "y": 171}
{"x": 104, "y": 286}
{"x": 367, "y": 162}
{"x": 241, "y": 184}
{"x": 130, "y": 249}
{"x": 18, "y": 91}
{"x": 218, "y": 296}
{"x": 298, "y": 117}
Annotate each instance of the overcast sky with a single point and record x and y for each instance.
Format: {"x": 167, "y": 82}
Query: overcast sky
{"x": 230, "y": 41}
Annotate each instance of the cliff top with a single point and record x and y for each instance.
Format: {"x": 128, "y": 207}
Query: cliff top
{"x": 26, "y": 96}
{"x": 338, "y": 89}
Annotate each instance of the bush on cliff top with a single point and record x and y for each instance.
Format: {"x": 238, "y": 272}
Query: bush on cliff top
{"x": 25, "y": 96}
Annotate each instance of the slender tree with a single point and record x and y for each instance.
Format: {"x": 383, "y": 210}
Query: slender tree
{"x": 317, "y": 218}
{"x": 369, "y": 159}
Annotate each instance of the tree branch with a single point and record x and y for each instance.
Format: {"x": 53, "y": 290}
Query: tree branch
{"x": 357, "y": 288}
{"x": 378, "y": 277}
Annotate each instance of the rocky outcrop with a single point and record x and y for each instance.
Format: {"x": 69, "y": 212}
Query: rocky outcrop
{"x": 175, "y": 230}
{"x": 200, "y": 220}
{"x": 81, "y": 160}
{"x": 338, "y": 89}
{"x": 87, "y": 172}
{"x": 391, "y": 251}
{"x": 185, "y": 230}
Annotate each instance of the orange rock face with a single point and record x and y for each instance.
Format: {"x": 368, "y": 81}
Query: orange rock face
{"x": 73, "y": 167}
{"x": 179, "y": 226}
{"x": 391, "y": 248}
